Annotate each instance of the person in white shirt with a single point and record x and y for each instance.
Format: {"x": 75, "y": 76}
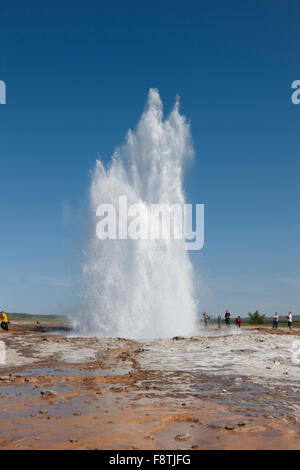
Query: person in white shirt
{"x": 290, "y": 319}
{"x": 275, "y": 320}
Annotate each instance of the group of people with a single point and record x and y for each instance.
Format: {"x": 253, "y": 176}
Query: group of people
{"x": 227, "y": 316}
{"x": 276, "y": 320}
{"x": 238, "y": 320}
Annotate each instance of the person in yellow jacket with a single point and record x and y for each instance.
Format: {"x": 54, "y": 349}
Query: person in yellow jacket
{"x": 4, "y": 321}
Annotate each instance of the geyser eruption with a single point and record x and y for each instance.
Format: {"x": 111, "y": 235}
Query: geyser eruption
{"x": 141, "y": 288}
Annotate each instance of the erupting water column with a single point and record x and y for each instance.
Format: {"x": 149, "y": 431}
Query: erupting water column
{"x": 141, "y": 288}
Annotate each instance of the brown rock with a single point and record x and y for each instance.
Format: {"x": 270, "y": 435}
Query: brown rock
{"x": 229, "y": 427}
{"x": 48, "y": 393}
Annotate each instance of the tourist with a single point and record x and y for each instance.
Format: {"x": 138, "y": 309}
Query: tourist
{"x": 290, "y": 319}
{"x": 238, "y": 322}
{"x": 4, "y": 321}
{"x": 275, "y": 320}
{"x": 219, "y": 321}
{"x": 227, "y": 318}
{"x": 206, "y": 319}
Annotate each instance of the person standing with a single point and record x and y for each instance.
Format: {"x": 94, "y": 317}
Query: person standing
{"x": 238, "y": 322}
{"x": 290, "y": 319}
{"x": 227, "y": 318}
{"x": 219, "y": 321}
{"x": 206, "y": 319}
{"x": 4, "y": 321}
{"x": 275, "y": 320}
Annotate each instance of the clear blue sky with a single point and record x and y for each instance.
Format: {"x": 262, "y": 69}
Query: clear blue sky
{"x": 77, "y": 76}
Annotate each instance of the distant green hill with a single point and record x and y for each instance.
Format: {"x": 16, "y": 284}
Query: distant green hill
{"x": 29, "y": 316}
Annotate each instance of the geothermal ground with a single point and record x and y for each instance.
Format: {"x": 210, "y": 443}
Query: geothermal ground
{"x": 234, "y": 391}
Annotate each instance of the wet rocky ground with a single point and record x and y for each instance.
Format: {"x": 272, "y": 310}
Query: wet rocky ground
{"x": 219, "y": 391}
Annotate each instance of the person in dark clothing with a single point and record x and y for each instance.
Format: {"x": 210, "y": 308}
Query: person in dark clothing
{"x": 227, "y": 318}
